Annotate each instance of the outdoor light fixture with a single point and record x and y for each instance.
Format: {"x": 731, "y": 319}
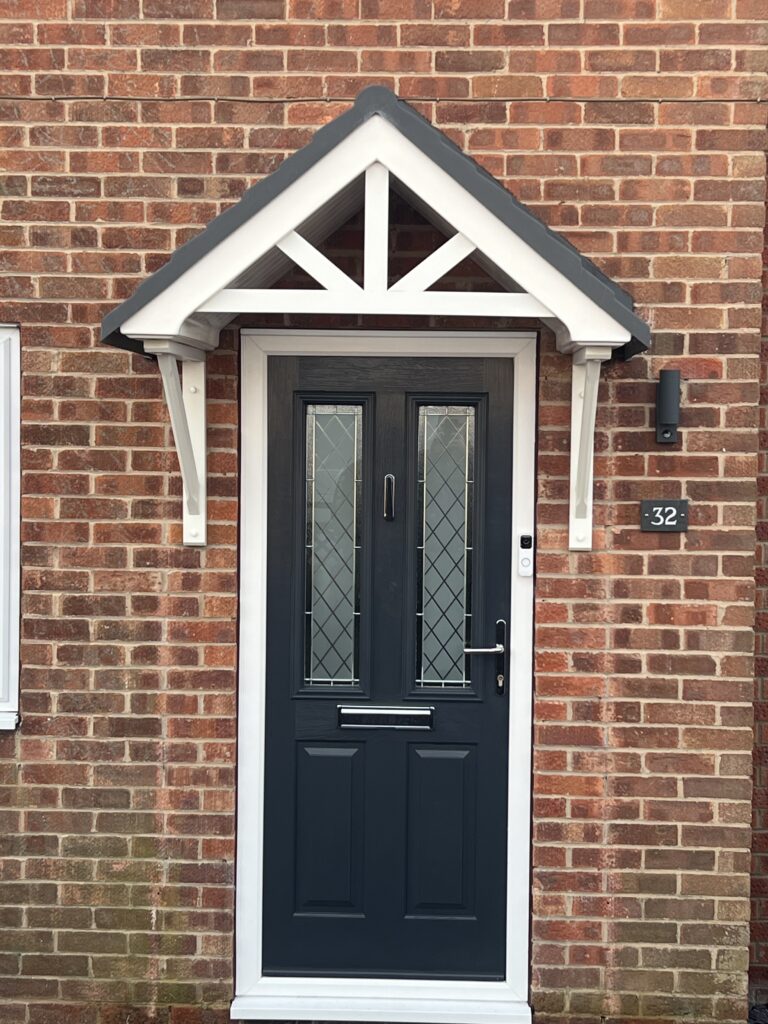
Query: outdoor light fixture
{"x": 667, "y": 406}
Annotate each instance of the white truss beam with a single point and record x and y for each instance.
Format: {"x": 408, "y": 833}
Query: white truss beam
{"x": 436, "y": 265}
{"x": 376, "y": 256}
{"x": 316, "y": 264}
{"x": 184, "y": 321}
{"x": 264, "y": 300}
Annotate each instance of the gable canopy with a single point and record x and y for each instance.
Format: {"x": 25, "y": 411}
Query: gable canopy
{"x": 350, "y": 165}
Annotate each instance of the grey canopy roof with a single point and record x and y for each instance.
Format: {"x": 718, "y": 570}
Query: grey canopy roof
{"x": 377, "y": 100}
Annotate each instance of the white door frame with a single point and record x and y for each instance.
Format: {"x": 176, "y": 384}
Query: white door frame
{"x": 350, "y": 999}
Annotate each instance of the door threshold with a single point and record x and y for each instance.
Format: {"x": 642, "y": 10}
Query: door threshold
{"x": 411, "y": 1010}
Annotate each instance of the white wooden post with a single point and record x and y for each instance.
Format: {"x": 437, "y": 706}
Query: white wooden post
{"x": 376, "y": 256}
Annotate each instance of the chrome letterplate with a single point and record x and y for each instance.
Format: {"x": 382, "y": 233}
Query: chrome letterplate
{"x": 385, "y": 718}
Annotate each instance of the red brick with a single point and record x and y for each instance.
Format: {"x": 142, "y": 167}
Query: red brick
{"x": 644, "y": 678}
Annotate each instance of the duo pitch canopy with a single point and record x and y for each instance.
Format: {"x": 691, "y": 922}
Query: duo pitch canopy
{"x": 351, "y": 164}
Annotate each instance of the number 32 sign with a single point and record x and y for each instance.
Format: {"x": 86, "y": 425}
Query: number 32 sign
{"x": 664, "y": 516}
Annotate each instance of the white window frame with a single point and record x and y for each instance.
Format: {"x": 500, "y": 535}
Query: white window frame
{"x": 302, "y": 998}
{"x": 10, "y": 471}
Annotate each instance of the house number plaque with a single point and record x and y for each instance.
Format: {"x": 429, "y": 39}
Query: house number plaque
{"x": 664, "y": 516}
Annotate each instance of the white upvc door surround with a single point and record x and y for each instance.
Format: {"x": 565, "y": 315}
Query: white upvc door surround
{"x": 310, "y": 998}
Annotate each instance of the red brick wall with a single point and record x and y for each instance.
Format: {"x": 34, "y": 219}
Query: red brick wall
{"x": 636, "y": 131}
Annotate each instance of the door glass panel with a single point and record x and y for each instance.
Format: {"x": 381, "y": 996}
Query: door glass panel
{"x": 446, "y": 475}
{"x": 334, "y": 445}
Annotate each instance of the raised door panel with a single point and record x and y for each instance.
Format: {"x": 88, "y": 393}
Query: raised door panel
{"x": 442, "y": 812}
{"x": 329, "y": 829}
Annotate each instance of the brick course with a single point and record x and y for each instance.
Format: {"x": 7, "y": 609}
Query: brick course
{"x": 126, "y": 125}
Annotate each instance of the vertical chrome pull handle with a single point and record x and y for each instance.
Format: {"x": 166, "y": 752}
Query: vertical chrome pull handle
{"x": 389, "y": 497}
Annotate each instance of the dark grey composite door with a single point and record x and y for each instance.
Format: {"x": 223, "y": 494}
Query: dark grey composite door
{"x": 389, "y": 494}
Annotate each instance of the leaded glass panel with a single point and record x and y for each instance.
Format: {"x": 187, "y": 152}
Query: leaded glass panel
{"x": 334, "y": 440}
{"x": 446, "y": 477}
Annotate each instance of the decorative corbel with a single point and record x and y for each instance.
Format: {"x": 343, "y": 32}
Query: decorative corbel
{"x": 585, "y": 382}
{"x": 185, "y": 398}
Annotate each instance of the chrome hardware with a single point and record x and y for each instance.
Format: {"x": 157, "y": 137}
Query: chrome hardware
{"x": 499, "y": 649}
{"x": 389, "y": 497}
{"x": 364, "y": 717}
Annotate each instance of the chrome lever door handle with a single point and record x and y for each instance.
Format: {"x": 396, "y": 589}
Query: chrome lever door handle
{"x": 499, "y": 649}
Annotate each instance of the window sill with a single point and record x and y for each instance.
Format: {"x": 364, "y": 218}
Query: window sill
{"x": 428, "y": 1010}
{"x": 9, "y": 720}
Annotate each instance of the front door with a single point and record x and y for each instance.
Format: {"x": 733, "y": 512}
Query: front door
{"x": 389, "y": 549}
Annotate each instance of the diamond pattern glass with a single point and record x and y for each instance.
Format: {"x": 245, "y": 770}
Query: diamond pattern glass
{"x": 444, "y": 584}
{"x": 333, "y": 506}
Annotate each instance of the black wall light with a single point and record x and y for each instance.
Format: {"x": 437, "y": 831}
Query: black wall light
{"x": 667, "y": 406}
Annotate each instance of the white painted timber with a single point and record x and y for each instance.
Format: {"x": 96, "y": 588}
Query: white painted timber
{"x": 316, "y": 264}
{"x": 369, "y": 999}
{"x": 583, "y": 319}
{"x": 193, "y": 379}
{"x": 192, "y": 309}
{"x": 376, "y": 245}
{"x": 435, "y": 266}
{"x": 585, "y": 382}
{"x": 10, "y": 471}
{"x": 185, "y": 398}
{"x": 175, "y": 347}
{"x": 310, "y": 300}
{"x": 377, "y": 149}
{"x": 166, "y": 313}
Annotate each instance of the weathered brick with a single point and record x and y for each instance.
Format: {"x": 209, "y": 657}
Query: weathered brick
{"x": 122, "y": 776}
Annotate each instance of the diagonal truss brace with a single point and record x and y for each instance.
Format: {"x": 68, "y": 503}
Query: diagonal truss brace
{"x": 436, "y": 265}
{"x": 185, "y": 397}
{"x": 338, "y": 293}
{"x": 315, "y": 263}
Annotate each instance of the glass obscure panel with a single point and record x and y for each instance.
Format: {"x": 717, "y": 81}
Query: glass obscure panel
{"x": 444, "y": 579}
{"x": 334, "y": 439}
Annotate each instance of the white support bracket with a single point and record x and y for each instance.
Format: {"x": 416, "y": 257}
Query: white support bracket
{"x": 585, "y": 382}
{"x": 185, "y": 397}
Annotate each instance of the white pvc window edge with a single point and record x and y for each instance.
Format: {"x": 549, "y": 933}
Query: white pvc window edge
{"x": 10, "y": 511}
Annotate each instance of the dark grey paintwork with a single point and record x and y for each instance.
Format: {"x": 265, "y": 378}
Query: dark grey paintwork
{"x": 433, "y": 143}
